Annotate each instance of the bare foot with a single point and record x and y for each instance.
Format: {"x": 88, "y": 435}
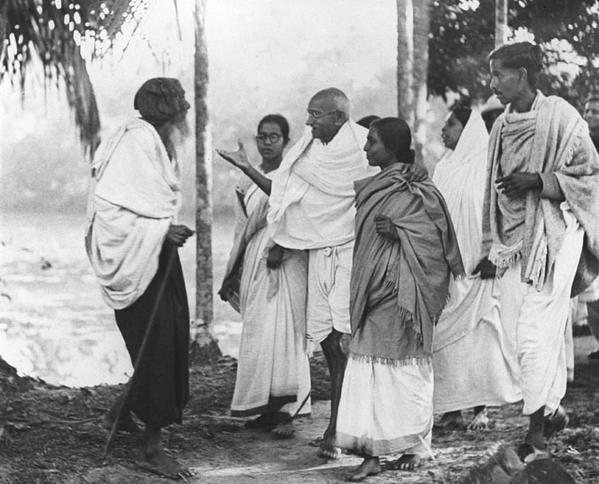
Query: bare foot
{"x": 451, "y": 421}
{"x": 328, "y": 449}
{"x": 370, "y": 466}
{"x": 407, "y": 462}
{"x": 157, "y": 462}
{"x": 284, "y": 430}
{"x": 480, "y": 421}
{"x": 267, "y": 421}
{"x": 126, "y": 423}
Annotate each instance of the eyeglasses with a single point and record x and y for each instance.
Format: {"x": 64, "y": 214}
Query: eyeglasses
{"x": 318, "y": 114}
{"x": 272, "y": 137}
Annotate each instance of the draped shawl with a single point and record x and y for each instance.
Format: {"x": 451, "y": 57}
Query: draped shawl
{"x": 561, "y": 146}
{"x": 134, "y": 196}
{"x": 249, "y": 222}
{"x": 400, "y": 285}
{"x": 311, "y": 202}
{"x": 460, "y": 176}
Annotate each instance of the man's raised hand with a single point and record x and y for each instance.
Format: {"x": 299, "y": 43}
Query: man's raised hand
{"x": 237, "y": 158}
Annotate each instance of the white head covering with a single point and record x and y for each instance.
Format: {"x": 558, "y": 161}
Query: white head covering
{"x": 460, "y": 175}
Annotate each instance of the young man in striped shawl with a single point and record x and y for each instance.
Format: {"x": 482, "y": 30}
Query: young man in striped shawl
{"x": 541, "y": 225}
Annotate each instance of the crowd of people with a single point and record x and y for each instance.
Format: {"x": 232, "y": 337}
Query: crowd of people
{"x": 426, "y": 295}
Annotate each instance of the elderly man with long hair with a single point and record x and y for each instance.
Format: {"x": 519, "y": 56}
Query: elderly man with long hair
{"x": 132, "y": 242}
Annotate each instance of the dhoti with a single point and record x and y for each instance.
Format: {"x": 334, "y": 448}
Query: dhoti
{"x": 542, "y": 322}
{"x": 329, "y": 272}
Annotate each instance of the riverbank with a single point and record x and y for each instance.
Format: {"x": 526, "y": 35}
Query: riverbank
{"x": 53, "y": 434}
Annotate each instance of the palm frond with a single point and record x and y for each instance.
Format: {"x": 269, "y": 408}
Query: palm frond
{"x": 55, "y": 33}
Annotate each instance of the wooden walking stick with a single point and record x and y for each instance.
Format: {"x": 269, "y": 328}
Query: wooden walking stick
{"x": 169, "y": 265}
{"x": 294, "y": 416}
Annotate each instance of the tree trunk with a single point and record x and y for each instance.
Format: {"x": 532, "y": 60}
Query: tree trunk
{"x": 203, "y": 347}
{"x": 3, "y": 28}
{"x": 405, "y": 60}
{"x": 422, "y": 9}
{"x": 413, "y": 27}
{"x": 501, "y": 26}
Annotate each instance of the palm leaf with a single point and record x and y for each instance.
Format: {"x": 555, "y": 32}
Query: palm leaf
{"x": 52, "y": 34}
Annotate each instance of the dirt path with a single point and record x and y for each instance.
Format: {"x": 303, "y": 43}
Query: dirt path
{"x": 52, "y": 435}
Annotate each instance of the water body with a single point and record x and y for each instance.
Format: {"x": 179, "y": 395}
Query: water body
{"x": 53, "y": 322}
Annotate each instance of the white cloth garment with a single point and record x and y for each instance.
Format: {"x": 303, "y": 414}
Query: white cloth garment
{"x": 272, "y": 361}
{"x": 311, "y": 202}
{"x": 329, "y": 273}
{"x": 312, "y": 207}
{"x": 134, "y": 197}
{"x": 542, "y": 323}
{"x": 386, "y": 409}
{"x": 474, "y": 351}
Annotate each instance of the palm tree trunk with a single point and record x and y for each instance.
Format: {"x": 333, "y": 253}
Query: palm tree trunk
{"x": 405, "y": 59}
{"x": 203, "y": 345}
{"x": 413, "y": 27}
{"x": 422, "y": 9}
{"x": 501, "y": 26}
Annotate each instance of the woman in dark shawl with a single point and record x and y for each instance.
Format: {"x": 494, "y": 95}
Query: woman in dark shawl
{"x": 404, "y": 255}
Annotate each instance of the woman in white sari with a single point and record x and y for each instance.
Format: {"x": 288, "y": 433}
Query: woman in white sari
{"x": 268, "y": 288}
{"x": 474, "y": 353}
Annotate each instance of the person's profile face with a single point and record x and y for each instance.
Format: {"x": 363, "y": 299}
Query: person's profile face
{"x": 270, "y": 141}
{"x": 506, "y": 83}
{"x": 591, "y": 115}
{"x": 451, "y": 131}
{"x": 323, "y": 119}
{"x": 376, "y": 152}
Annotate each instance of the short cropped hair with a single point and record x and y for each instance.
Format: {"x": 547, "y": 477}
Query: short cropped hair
{"x": 337, "y": 96}
{"x": 521, "y": 54}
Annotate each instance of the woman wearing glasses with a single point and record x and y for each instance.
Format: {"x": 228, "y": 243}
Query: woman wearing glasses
{"x": 268, "y": 288}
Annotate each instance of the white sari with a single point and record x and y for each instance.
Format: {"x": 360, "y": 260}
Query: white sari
{"x": 474, "y": 349}
{"x": 273, "y": 367}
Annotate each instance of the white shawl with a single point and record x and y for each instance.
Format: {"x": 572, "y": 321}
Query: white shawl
{"x": 134, "y": 197}
{"x": 460, "y": 176}
{"x": 311, "y": 202}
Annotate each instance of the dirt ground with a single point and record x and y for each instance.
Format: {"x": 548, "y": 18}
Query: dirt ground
{"x": 53, "y": 435}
